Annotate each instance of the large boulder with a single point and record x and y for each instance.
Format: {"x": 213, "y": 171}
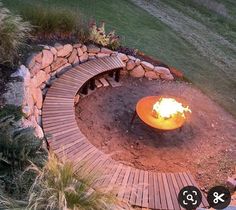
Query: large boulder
{"x": 65, "y": 51}
{"x": 84, "y": 57}
{"x": 161, "y": 70}
{"x": 47, "y": 58}
{"x": 58, "y": 63}
{"x": 38, "y": 97}
{"x": 147, "y": 66}
{"x": 72, "y": 56}
{"x": 151, "y": 75}
{"x": 123, "y": 57}
{"x": 130, "y": 65}
{"x": 39, "y": 78}
{"x": 106, "y": 50}
{"x": 138, "y": 72}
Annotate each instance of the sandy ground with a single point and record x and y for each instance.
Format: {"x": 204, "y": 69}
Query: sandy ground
{"x": 206, "y": 146}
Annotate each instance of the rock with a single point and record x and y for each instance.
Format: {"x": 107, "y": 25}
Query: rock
{"x": 93, "y": 49}
{"x": 151, "y": 75}
{"x": 176, "y": 72}
{"x": 92, "y": 54}
{"x": 47, "y": 58}
{"x": 58, "y": 46}
{"x": 26, "y": 111}
{"x": 102, "y": 55}
{"x": 106, "y": 50}
{"x": 39, "y": 57}
{"x": 46, "y": 47}
{"x": 147, "y": 66}
{"x": 84, "y": 57}
{"x": 137, "y": 72}
{"x": 47, "y": 69}
{"x": 24, "y": 73}
{"x": 15, "y": 93}
{"x": 76, "y": 61}
{"x": 123, "y": 57}
{"x": 77, "y": 45}
{"x": 53, "y": 50}
{"x": 130, "y": 65}
{"x": 84, "y": 48}
{"x": 131, "y": 57}
{"x": 40, "y": 77}
{"x": 35, "y": 69}
{"x": 42, "y": 86}
{"x": 80, "y": 51}
{"x": 37, "y": 96}
{"x": 167, "y": 76}
{"x": 36, "y": 113}
{"x": 161, "y": 70}
{"x": 92, "y": 57}
{"x": 58, "y": 63}
{"x": 65, "y": 51}
{"x": 137, "y": 62}
{"x": 72, "y": 56}
{"x": 38, "y": 132}
{"x": 28, "y": 99}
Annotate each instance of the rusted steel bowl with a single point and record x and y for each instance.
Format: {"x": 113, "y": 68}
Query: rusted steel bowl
{"x": 144, "y": 110}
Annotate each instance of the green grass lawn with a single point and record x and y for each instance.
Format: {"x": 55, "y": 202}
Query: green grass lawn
{"x": 141, "y": 30}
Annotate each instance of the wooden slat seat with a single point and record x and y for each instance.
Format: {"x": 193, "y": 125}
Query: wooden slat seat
{"x": 138, "y": 187}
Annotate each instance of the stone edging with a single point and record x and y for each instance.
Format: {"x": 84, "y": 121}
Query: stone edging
{"x": 44, "y": 67}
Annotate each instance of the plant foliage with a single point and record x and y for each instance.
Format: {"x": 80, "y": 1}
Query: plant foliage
{"x": 13, "y": 32}
{"x": 58, "y": 187}
{"x": 17, "y": 145}
{"x": 99, "y": 36}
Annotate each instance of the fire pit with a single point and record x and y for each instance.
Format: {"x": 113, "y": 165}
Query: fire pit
{"x": 161, "y": 113}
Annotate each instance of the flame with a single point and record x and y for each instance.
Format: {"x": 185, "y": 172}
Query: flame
{"x": 168, "y": 107}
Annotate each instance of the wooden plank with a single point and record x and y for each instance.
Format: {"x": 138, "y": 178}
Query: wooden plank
{"x": 162, "y": 191}
{"x": 134, "y": 191}
{"x": 140, "y": 188}
{"x": 98, "y": 83}
{"x": 124, "y": 182}
{"x": 113, "y": 179}
{"x": 145, "y": 198}
{"x": 156, "y": 192}
{"x": 167, "y": 192}
{"x": 177, "y": 188}
{"x": 151, "y": 199}
{"x": 174, "y": 195}
{"x": 129, "y": 185}
{"x": 104, "y": 82}
{"x": 110, "y": 176}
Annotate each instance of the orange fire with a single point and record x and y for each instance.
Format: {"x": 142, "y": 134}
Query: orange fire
{"x": 168, "y": 107}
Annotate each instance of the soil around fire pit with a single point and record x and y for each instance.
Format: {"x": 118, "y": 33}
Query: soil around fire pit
{"x": 206, "y": 146}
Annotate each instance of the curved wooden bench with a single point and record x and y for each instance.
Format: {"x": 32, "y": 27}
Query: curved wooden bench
{"x": 138, "y": 187}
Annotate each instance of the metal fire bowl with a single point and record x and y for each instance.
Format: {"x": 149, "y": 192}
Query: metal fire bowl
{"x": 144, "y": 111}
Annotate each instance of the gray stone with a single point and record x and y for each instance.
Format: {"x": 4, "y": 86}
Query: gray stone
{"x": 147, "y": 66}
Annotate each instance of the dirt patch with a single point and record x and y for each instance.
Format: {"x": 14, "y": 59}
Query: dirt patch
{"x": 206, "y": 146}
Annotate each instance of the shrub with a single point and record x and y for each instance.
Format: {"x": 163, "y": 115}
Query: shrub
{"x": 58, "y": 187}
{"x": 13, "y": 34}
{"x": 99, "y": 36}
{"x": 17, "y": 145}
{"x": 51, "y": 22}
{"x": 14, "y": 111}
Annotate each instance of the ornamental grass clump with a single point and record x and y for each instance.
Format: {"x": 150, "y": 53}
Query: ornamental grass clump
{"x": 97, "y": 34}
{"x": 14, "y": 33}
{"x": 58, "y": 187}
{"x": 55, "y": 22}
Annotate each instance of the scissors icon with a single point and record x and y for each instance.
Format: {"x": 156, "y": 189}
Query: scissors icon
{"x": 218, "y": 197}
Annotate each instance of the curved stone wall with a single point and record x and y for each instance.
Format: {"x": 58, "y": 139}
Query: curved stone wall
{"x": 46, "y": 66}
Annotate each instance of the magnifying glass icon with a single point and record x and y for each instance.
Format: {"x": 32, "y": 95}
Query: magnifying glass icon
{"x": 190, "y": 197}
